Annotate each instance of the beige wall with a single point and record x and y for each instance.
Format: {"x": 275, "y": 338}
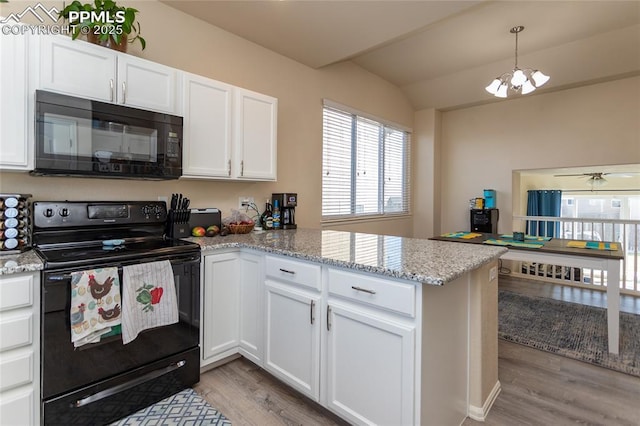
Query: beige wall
{"x": 426, "y": 173}
{"x": 481, "y": 146}
{"x": 184, "y": 42}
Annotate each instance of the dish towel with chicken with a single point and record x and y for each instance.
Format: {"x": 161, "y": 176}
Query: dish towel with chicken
{"x": 95, "y": 304}
{"x": 149, "y": 298}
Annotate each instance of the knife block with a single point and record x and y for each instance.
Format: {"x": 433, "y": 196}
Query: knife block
{"x": 179, "y": 230}
{"x": 178, "y": 224}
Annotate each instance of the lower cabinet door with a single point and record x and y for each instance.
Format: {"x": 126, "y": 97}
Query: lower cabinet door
{"x": 251, "y": 307}
{"x": 292, "y": 337}
{"x": 370, "y": 367}
{"x": 220, "y": 306}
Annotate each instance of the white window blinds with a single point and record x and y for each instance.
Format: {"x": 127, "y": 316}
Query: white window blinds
{"x": 365, "y": 166}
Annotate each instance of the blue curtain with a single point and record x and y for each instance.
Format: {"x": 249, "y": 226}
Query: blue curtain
{"x": 544, "y": 202}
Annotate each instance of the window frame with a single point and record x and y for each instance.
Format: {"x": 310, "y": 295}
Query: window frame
{"x": 380, "y": 214}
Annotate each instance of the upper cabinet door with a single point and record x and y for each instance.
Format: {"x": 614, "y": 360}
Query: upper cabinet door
{"x": 256, "y": 122}
{"x": 145, "y": 84}
{"x": 207, "y": 127}
{"x": 77, "y": 68}
{"x": 14, "y": 135}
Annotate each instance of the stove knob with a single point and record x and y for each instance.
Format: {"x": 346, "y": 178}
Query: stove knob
{"x": 48, "y": 213}
{"x": 146, "y": 211}
{"x": 64, "y": 212}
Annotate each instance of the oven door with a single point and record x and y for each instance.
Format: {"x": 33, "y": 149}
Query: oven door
{"x": 109, "y": 380}
{"x": 77, "y": 136}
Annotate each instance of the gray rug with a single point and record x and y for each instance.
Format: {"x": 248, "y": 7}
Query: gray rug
{"x": 569, "y": 329}
{"x": 185, "y": 408}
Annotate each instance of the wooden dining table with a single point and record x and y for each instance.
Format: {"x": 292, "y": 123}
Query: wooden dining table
{"x": 558, "y": 251}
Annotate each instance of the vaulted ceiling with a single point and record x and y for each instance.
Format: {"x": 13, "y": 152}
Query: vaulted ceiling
{"x": 442, "y": 53}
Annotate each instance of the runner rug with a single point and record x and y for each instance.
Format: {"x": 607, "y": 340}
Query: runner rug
{"x": 569, "y": 329}
{"x": 181, "y": 409}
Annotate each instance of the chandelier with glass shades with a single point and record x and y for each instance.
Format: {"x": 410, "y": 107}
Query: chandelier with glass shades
{"x": 519, "y": 80}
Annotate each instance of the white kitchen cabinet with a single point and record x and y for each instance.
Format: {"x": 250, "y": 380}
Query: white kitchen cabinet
{"x": 292, "y": 337}
{"x": 292, "y": 324}
{"x": 229, "y": 132}
{"x": 207, "y": 131}
{"x": 221, "y": 297}
{"x": 15, "y": 149}
{"x": 77, "y": 68}
{"x": 147, "y": 85}
{"x": 251, "y": 306}
{"x": 20, "y": 349}
{"x": 255, "y": 135}
{"x": 232, "y": 306}
{"x": 370, "y": 366}
{"x": 106, "y": 75}
{"x": 370, "y": 348}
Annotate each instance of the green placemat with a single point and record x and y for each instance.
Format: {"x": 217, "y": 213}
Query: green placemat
{"x": 527, "y": 237}
{"x": 463, "y": 235}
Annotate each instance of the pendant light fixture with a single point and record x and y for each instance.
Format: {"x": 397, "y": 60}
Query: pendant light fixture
{"x": 524, "y": 81}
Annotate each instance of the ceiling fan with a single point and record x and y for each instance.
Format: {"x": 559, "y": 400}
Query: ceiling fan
{"x": 597, "y": 178}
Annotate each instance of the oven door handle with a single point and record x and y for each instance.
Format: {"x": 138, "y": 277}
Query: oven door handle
{"x": 67, "y": 277}
{"x": 128, "y": 385}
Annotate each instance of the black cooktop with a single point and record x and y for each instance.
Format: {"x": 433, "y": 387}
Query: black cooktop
{"x": 96, "y": 254}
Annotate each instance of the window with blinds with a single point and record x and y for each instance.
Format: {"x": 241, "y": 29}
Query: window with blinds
{"x": 365, "y": 166}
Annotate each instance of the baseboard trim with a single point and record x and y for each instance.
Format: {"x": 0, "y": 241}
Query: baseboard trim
{"x": 480, "y": 413}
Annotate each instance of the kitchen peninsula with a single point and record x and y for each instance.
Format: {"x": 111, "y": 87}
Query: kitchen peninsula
{"x": 378, "y": 329}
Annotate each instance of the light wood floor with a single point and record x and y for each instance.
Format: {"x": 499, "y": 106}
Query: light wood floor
{"x": 538, "y": 388}
{"x": 598, "y": 298}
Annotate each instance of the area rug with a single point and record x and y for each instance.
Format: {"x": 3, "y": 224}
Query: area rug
{"x": 185, "y": 408}
{"x": 569, "y": 329}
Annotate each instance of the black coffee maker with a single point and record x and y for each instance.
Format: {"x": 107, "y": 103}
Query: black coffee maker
{"x": 288, "y": 202}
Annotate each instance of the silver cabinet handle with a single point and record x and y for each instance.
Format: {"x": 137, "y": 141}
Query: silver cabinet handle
{"x": 366, "y": 290}
{"x": 313, "y": 305}
{"x": 328, "y": 318}
{"x": 229, "y": 167}
{"x": 242, "y": 168}
{"x": 286, "y": 271}
{"x": 111, "y": 88}
{"x": 124, "y": 92}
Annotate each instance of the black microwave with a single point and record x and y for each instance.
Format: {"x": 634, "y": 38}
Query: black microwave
{"x": 82, "y": 137}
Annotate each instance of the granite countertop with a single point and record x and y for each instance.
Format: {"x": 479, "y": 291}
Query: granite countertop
{"x": 27, "y": 261}
{"x": 425, "y": 261}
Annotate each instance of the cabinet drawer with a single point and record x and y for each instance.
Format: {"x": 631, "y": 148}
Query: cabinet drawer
{"x": 391, "y": 295}
{"x": 18, "y": 407}
{"x": 295, "y": 271}
{"x": 16, "y": 292}
{"x": 15, "y": 331}
{"x": 16, "y": 369}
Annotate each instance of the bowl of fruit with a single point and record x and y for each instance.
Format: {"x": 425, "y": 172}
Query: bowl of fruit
{"x": 238, "y": 223}
{"x": 242, "y": 227}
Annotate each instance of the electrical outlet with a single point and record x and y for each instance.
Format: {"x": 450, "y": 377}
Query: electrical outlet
{"x": 493, "y": 273}
{"x": 244, "y": 202}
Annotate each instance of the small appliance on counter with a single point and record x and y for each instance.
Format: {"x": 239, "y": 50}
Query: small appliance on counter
{"x": 287, "y": 203}
{"x": 15, "y": 226}
{"x": 205, "y": 218}
{"x": 489, "y": 198}
{"x": 484, "y": 220}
